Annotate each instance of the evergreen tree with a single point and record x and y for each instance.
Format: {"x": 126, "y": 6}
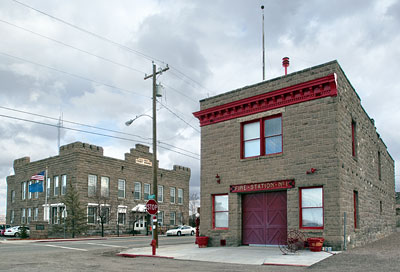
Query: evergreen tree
{"x": 76, "y": 220}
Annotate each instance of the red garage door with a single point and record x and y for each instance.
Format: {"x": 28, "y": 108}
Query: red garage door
{"x": 264, "y": 218}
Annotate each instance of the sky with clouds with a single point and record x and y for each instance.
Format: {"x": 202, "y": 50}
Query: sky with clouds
{"x": 86, "y": 61}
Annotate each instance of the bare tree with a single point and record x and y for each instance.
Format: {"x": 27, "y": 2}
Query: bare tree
{"x": 103, "y": 212}
{"x": 194, "y": 203}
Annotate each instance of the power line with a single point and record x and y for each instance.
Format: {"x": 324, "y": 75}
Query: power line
{"x": 73, "y": 75}
{"x": 95, "y": 127}
{"x": 148, "y": 57}
{"x": 180, "y": 117}
{"x": 73, "y": 47}
{"x": 94, "y": 133}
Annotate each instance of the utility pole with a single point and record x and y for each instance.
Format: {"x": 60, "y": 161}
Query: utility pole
{"x": 155, "y": 164}
{"x": 263, "y": 43}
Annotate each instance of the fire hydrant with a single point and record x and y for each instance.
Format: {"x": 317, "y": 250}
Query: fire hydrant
{"x": 153, "y": 246}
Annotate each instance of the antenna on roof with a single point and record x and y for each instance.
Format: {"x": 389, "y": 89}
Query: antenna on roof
{"x": 263, "y": 43}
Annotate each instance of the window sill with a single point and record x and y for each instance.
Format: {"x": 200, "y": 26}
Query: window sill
{"x": 262, "y": 157}
{"x": 307, "y": 229}
{"x": 220, "y": 228}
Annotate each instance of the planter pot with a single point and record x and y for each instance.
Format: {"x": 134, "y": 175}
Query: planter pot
{"x": 202, "y": 241}
{"x": 315, "y": 243}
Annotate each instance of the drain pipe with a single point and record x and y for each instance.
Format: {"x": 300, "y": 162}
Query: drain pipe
{"x": 344, "y": 232}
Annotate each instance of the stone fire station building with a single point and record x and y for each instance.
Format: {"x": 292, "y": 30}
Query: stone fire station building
{"x": 295, "y": 152}
{"x": 120, "y": 187}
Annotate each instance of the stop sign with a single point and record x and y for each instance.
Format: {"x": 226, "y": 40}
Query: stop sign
{"x": 152, "y": 206}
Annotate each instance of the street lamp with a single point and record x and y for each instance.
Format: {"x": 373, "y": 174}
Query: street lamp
{"x": 129, "y": 122}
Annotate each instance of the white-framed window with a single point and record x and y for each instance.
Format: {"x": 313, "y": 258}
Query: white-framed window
{"x": 180, "y": 196}
{"x": 63, "y": 184}
{"x": 29, "y": 191}
{"x": 137, "y": 190}
{"x": 160, "y": 196}
{"x": 160, "y": 218}
{"x": 36, "y": 214}
{"x": 37, "y": 193}
{"x": 220, "y": 211}
{"x": 12, "y": 196}
{"x": 92, "y": 214}
{"x": 92, "y": 185}
{"x": 23, "y": 190}
{"x": 121, "y": 188}
{"x": 12, "y": 217}
{"x": 29, "y": 215}
{"x": 146, "y": 191}
{"x": 56, "y": 185}
{"x": 48, "y": 185}
{"x": 172, "y": 218}
{"x": 105, "y": 187}
{"x": 121, "y": 218}
{"x": 22, "y": 216}
{"x": 172, "y": 195}
{"x": 180, "y": 218}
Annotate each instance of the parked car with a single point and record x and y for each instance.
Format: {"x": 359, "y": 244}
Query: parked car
{"x": 181, "y": 230}
{"x": 3, "y": 228}
{"x": 16, "y": 231}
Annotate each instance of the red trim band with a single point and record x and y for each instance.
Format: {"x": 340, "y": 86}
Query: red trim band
{"x": 310, "y": 90}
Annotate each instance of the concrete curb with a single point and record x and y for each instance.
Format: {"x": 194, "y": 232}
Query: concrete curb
{"x": 142, "y": 255}
{"x": 67, "y": 240}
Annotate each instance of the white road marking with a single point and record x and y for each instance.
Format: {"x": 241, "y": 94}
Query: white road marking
{"x": 67, "y": 247}
{"x": 104, "y": 245}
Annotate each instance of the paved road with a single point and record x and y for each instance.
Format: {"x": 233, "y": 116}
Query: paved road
{"x": 100, "y": 255}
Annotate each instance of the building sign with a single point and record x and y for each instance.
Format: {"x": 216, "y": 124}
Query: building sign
{"x": 143, "y": 161}
{"x": 262, "y": 186}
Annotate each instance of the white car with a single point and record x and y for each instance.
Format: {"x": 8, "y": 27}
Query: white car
{"x": 181, "y": 230}
{"x": 15, "y": 231}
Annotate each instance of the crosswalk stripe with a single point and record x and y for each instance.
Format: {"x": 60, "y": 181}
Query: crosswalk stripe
{"x": 80, "y": 249}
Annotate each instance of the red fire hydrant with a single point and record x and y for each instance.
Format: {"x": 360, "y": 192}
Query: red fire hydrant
{"x": 153, "y": 247}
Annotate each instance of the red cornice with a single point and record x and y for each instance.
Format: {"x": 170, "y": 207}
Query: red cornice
{"x": 306, "y": 91}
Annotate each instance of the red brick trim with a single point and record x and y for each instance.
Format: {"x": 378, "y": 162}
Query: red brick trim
{"x": 306, "y": 91}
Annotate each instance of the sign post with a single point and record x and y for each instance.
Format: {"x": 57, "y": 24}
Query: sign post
{"x": 152, "y": 209}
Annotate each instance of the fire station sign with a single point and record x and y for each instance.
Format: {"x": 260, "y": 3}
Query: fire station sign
{"x": 262, "y": 186}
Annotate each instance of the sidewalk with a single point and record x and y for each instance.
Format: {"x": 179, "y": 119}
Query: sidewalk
{"x": 234, "y": 255}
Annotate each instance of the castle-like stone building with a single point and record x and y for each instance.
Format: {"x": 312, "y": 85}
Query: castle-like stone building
{"x": 117, "y": 188}
{"x": 295, "y": 152}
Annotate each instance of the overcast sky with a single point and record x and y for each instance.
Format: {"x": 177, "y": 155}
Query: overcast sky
{"x": 86, "y": 61}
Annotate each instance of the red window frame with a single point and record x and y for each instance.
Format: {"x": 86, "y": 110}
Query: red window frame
{"x": 214, "y": 211}
{"x": 261, "y": 137}
{"x": 301, "y": 207}
{"x": 353, "y": 138}
{"x": 355, "y": 199}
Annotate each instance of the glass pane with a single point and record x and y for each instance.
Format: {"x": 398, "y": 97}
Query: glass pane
{"x": 273, "y": 126}
{"x": 252, "y": 148}
{"x": 251, "y": 131}
{"x": 311, "y": 197}
{"x": 312, "y": 217}
{"x": 221, "y": 203}
{"x": 221, "y": 220}
{"x": 273, "y": 145}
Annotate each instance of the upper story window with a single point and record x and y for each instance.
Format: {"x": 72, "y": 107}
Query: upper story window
{"x": 262, "y": 137}
{"x": 63, "y": 184}
{"x": 354, "y": 138}
{"x": 379, "y": 166}
{"x": 172, "y": 194}
{"x": 12, "y": 196}
{"x": 180, "y": 196}
{"x": 160, "y": 196}
{"x": 137, "y": 190}
{"x": 311, "y": 208}
{"x": 56, "y": 186}
{"x": 48, "y": 184}
{"x": 121, "y": 188}
{"x": 29, "y": 191}
{"x": 146, "y": 191}
{"x": 105, "y": 187}
{"x": 92, "y": 185}
{"x": 23, "y": 190}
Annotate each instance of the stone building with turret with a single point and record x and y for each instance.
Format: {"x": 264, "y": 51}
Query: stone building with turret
{"x": 115, "y": 187}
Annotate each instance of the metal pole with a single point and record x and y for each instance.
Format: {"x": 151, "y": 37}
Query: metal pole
{"x": 155, "y": 185}
{"x": 344, "y": 231}
{"x": 263, "y": 42}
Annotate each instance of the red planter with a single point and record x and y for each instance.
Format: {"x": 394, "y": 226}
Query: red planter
{"x": 315, "y": 243}
{"x": 202, "y": 241}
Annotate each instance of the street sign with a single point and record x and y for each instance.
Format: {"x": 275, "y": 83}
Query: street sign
{"x": 152, "y": 196}
{"x": 152, "y": 206}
